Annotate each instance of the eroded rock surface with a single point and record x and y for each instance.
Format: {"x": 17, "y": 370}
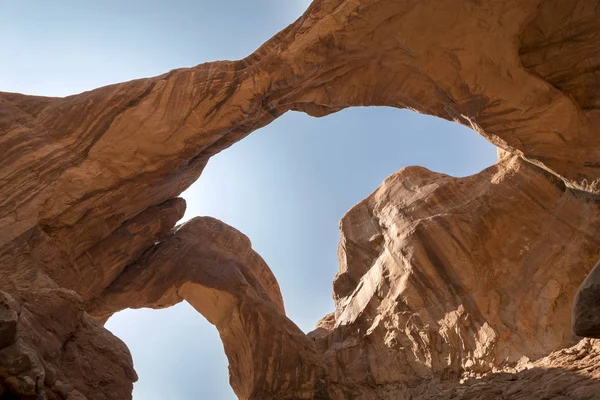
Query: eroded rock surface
{"x": 586, "y": 309}
{"x": 213, "y": 267}
{"x": 438, "y": 276}
{"x": 567, "y": 374}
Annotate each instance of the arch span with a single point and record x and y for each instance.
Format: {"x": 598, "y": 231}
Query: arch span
{"x": 79, "y": 172}
{"x": 213, "y": 267}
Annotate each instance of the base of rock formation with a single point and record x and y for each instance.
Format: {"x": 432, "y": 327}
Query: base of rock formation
{"x": 568, "y": 374}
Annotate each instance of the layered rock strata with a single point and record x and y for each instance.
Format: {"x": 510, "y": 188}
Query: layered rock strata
{"x": 438, "y": 276}
{"x": 566, "y": 374}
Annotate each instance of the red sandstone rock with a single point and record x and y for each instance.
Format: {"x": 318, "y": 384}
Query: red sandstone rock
{"x": 438, "y": 276}
{"x": 441, "y": 276}
{"x": 586, "y": 309}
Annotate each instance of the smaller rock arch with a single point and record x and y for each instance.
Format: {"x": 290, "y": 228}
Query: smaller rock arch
{"x": 213, "y": 267}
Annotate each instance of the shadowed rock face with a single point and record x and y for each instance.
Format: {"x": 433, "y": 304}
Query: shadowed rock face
{"x": 570, "y": 373}
{"x": 438, "y": 276}
{"x": 586, "y": 308}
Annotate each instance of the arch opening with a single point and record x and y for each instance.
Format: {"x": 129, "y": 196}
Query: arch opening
{"x": 555, "y": 155}
{"x": 287, "y": 186}
{"x": 179, "y": 369}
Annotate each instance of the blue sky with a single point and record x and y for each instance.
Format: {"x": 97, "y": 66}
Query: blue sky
{"x": 286, "y": 186}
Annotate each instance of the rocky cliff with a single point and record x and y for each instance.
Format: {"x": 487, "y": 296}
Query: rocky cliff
{"x": 440, "y": 278}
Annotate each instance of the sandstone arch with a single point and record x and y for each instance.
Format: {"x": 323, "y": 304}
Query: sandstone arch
{"x": 213, "y": 267}
{"x": 81, "y": 173}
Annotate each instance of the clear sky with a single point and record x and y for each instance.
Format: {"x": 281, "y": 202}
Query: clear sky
{"x": 286, "y": 186}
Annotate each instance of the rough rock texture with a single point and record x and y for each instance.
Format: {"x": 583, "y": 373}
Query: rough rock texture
{"x": 586, "y": 308}
{"x": 438, "y": 276}
{"x": 441, "y": 275}
{"x": 213, "y": 267}
{"x": 568, "y": 374}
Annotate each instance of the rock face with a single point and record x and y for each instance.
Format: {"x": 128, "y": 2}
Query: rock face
{"x": 213, "y": 267}
{"x": 571, "y": 373}
{"x": 439, "y": 276}
{"x": 586, "y": 309}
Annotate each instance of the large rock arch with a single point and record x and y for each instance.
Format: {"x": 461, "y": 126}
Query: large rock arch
{"x": 90, "y": 185}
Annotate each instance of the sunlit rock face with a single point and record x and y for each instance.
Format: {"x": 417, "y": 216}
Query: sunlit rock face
{"x": 213, "y": 267}
{"x": 441, "y": 276}
{"x": 438, "y": 276}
